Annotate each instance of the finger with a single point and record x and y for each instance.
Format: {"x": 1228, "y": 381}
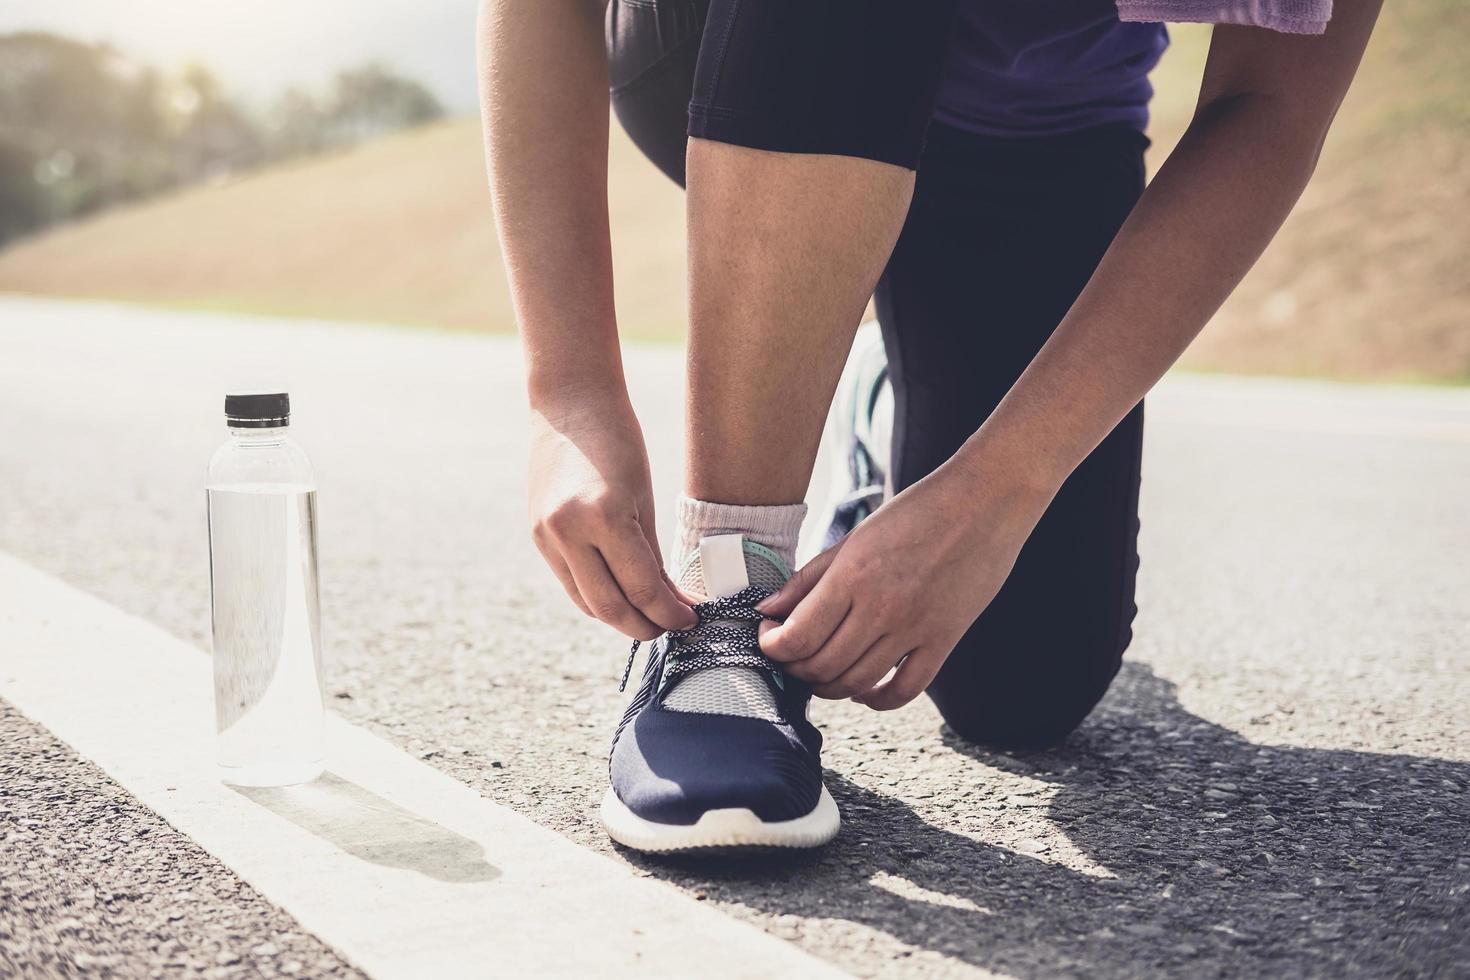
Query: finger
{"x": 603, "y": 597}
{"x": 785, "y": 599}
{"x": 650, "y": 531}
{"x": 843, "y": 648}
{"x": 650, "y": 527}
{"x": 563, "y": 574}
{"x": 866, "y": 671}
{"x": 910, "y": 680}
{"x": 809, "y": 625}
{"x": 635, "y": 567}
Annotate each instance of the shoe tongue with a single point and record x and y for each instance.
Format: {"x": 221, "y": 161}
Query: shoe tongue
{"x": 727, "y": 563}
{"x": 723, "y": 565}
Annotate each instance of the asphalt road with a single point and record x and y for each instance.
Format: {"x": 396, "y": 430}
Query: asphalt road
{"x": 1277, "y": 783}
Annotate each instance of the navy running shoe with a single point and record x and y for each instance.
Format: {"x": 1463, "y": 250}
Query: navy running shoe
{"x": 715, "y": 752}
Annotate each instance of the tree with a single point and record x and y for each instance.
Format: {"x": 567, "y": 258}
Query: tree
{"x": 83, "y": 127}
{"x": 213, "y": 136}
{"x": 297, "y": 124}
{"x": 21, "y": 207}
{"x": 372, "y": 100}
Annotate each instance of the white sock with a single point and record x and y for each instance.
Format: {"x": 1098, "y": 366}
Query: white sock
{"x": 774, "y": 525}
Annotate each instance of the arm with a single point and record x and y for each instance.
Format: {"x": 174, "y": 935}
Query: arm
{"x": 1265, "y": 105}
{"x": 543, "y": 94}
{"x": 544, "y": 98}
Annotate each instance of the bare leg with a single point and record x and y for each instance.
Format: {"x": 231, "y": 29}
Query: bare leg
{"x": 784, "y": 251}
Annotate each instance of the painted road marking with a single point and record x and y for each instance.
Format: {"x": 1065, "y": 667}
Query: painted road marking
{"x": 404, "y": 870}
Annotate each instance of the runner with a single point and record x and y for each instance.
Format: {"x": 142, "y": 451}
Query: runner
{"x": 976, "y": 166}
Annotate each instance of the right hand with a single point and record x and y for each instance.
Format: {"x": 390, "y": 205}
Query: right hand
{"x": 592, "y": 517}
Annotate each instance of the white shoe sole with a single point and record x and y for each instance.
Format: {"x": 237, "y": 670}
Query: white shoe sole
{"x": 735, "y": 829}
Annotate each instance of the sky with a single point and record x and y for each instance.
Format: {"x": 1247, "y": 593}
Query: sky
{"x": 259, "y": 47}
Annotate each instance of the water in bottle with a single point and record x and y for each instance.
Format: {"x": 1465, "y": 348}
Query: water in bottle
{"x": 263, "y": 595}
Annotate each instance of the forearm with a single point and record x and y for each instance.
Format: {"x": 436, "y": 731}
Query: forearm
{"x": 544, "y": 101}
{"x": 1266, "y": 104}
{"x": 1198, "y": 228}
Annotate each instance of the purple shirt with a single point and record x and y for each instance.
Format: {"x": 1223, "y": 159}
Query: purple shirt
{"x": 1044, "y": 67}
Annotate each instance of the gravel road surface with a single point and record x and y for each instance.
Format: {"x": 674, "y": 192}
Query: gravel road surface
{"x": 1276, "y": 785}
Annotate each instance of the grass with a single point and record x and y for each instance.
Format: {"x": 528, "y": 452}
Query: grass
{"x": 1367, "y": 280}
{"x": 399, "y": 230}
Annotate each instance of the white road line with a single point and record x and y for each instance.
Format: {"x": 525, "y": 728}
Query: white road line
{"x": 404, "y": 870}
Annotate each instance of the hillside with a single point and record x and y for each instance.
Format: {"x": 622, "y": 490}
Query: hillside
{"x": 1369, "y": 276}
{"x": 397, "y": 230}
{"x": 1367, "y": 280}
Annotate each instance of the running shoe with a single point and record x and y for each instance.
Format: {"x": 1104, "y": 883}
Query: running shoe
{"x": 860, "y": 426}
{"x": 715, "y": 752}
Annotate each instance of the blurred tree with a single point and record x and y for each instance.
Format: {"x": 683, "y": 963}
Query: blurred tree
{"x": 21, "y": 208}
{"x": 79, "y": 129}
{"x": 372, "y": 100}
{"x": 297, "y": 124}
{"x": 212, "y": 135}
{"x": 83, "y": 128}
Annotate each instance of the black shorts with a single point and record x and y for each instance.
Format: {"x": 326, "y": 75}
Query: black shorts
{"x": 846, "y": 77}
{"x": 1000, "y": 239}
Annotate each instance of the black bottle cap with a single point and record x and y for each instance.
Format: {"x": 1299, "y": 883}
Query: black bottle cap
{"x": 258, "y": 410}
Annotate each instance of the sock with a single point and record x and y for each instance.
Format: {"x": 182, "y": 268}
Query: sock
{"x": 774, "y": 525}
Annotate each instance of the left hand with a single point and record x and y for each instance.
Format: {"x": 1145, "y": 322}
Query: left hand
{"x": 899, "y": 591}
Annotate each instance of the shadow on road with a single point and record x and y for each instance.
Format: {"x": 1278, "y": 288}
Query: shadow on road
{"x": 368, "y": 827}
{"x": 1228, "y": 857}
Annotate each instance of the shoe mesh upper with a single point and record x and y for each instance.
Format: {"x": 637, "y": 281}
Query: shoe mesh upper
{"x": 740, "y": 691}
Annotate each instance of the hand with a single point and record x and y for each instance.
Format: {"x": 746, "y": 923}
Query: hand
{"x": 899, "y": 591}
{"x": 592, "y": 516}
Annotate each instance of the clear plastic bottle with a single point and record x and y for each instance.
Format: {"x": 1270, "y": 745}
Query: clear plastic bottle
{"x": 263, "y": 598}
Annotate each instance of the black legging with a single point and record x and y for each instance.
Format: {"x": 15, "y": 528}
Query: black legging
{"x": 1000, "y": 239}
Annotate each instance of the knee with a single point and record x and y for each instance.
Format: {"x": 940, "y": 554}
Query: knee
{"x": 1006, "y": 721}
{"x": 1025, "y": 703}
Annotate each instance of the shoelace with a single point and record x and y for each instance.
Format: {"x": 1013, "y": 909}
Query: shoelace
{"x": 727, "y": 634}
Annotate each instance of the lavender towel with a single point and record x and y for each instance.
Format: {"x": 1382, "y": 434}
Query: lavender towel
{"x": 1287, "y": 16}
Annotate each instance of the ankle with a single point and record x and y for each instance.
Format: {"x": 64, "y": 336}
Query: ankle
{"x": 776, "y": 526}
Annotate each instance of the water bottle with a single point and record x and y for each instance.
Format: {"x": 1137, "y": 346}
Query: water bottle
{"x": 263, "y": 598}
